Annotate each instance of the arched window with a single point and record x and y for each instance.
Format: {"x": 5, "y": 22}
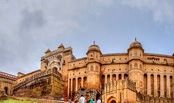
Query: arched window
{"x": 119, "y": 77}
{"x": 92, "y": 68}
{"x": 96, "y": 56}
{"x": 102, "y": 81}
{"x": 6, "y": 90}
{"x": 145, "y": 83}
{"x": 152, "y": 84}
{"x": 125, "y": 76}
{"x": 140, "y": 66}
{"x": 130, "y": 66}
{"x": 96, "y": 68}
{"x": 135, "y": 65}
{"x": 54, "y": 69}
{"x": 108, "y": 78}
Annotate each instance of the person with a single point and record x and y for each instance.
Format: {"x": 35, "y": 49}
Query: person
{"x": 92, "y": 101}
{"x": 98, "y": 101}
{"x": 82, "y": 99}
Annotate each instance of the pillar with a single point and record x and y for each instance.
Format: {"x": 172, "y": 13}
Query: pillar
{"x": 71, "y": 86}
{"x": 116, "y": 76}
{"x": 148, "y": 84}
{"x": 111, "y": 82}
{"x": 110, "y": 78}
{"x": 105, "y": 78}
{"x": 68, "y": 87}
{"x": 161, "y": 85}
{"x": 122, "y": 76}
{"x": 168, "y": 86}
{"x": 82, "y": 82}
{"x": 105, "y": 89}
{"x": 155, "y": 85}
{"x": 76, "y": 84}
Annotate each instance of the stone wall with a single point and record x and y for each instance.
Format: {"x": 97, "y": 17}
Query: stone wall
{"x": 47, "y": 84}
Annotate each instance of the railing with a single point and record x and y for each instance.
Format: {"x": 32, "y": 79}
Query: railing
{"x": 7, "y": 76}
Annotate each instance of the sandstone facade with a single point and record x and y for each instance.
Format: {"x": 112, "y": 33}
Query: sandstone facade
{"x": 7, "y": 81}
{"x": 138, "y": 73}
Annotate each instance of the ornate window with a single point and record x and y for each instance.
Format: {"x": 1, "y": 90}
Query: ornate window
{"x": 135, "y": 65}
{"x": 97, "y": 68}
{"x": 140, "y": 66}
{"x": 130, "y": 66}
{"x": 92, "y": 68}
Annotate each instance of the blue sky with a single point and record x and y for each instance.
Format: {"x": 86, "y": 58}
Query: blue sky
{"x": 29, "y": 27}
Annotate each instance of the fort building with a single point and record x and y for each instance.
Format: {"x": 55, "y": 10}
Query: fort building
{"x": 131, "y": 77}
{"x": 7, "y": 81}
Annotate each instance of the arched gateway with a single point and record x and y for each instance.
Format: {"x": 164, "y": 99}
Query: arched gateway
{"x": 111, "y": 100}
{"x": 6, "y": 90}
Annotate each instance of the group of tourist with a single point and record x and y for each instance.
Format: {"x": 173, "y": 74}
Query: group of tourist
{"x": 83, "y": 100}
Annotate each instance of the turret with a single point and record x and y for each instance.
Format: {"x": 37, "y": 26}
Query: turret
{"x": 135, "y": 52}
{"x": 93, "y": 66}
{"x": 61, "y": 47}
{"x": 135, "y": 49}
{"x": 93, "y": 52}
{"x": 44, "y": 61}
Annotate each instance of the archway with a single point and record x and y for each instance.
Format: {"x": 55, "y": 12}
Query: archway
{"x": 6, "y": 90}
{"x": 111, "y": 100}
{"x": 54, "y": 69}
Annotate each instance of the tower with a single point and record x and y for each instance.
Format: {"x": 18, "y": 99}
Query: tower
{"x": 135, "y": 52}
{"x": 93, "y": 67}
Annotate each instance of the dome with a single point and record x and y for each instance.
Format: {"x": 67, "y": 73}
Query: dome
{"x": 93, "y": 47}
{"x": 136, "y": 44}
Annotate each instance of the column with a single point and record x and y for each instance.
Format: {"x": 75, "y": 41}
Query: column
{"x": 71, "y": 86}
{"x": 111, "y": 82}
{"x": 76, "y": 84}
{"x": 155, "y": 85}
{"x": 148, "y": 84}
{"x": 82, "y": 82}
{"x": 168, "y": 86}
{"x": 105, "y": 78}
{"x": 122, "y": 76}
{"x": 161, "y": 85}
{"x": 105, "y": 88}
{"x": 68, "y": 87}
{"x": 110, "y": 78}
{"x": 116, "y": 77}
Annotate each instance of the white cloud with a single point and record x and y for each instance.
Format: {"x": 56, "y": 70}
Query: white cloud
{"x": 27, "y": 27}
{"x": 162, "y": 10}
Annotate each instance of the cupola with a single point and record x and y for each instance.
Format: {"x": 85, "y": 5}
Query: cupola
{"x": 93, "y": 47}
{"x": 135, "y": 44}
